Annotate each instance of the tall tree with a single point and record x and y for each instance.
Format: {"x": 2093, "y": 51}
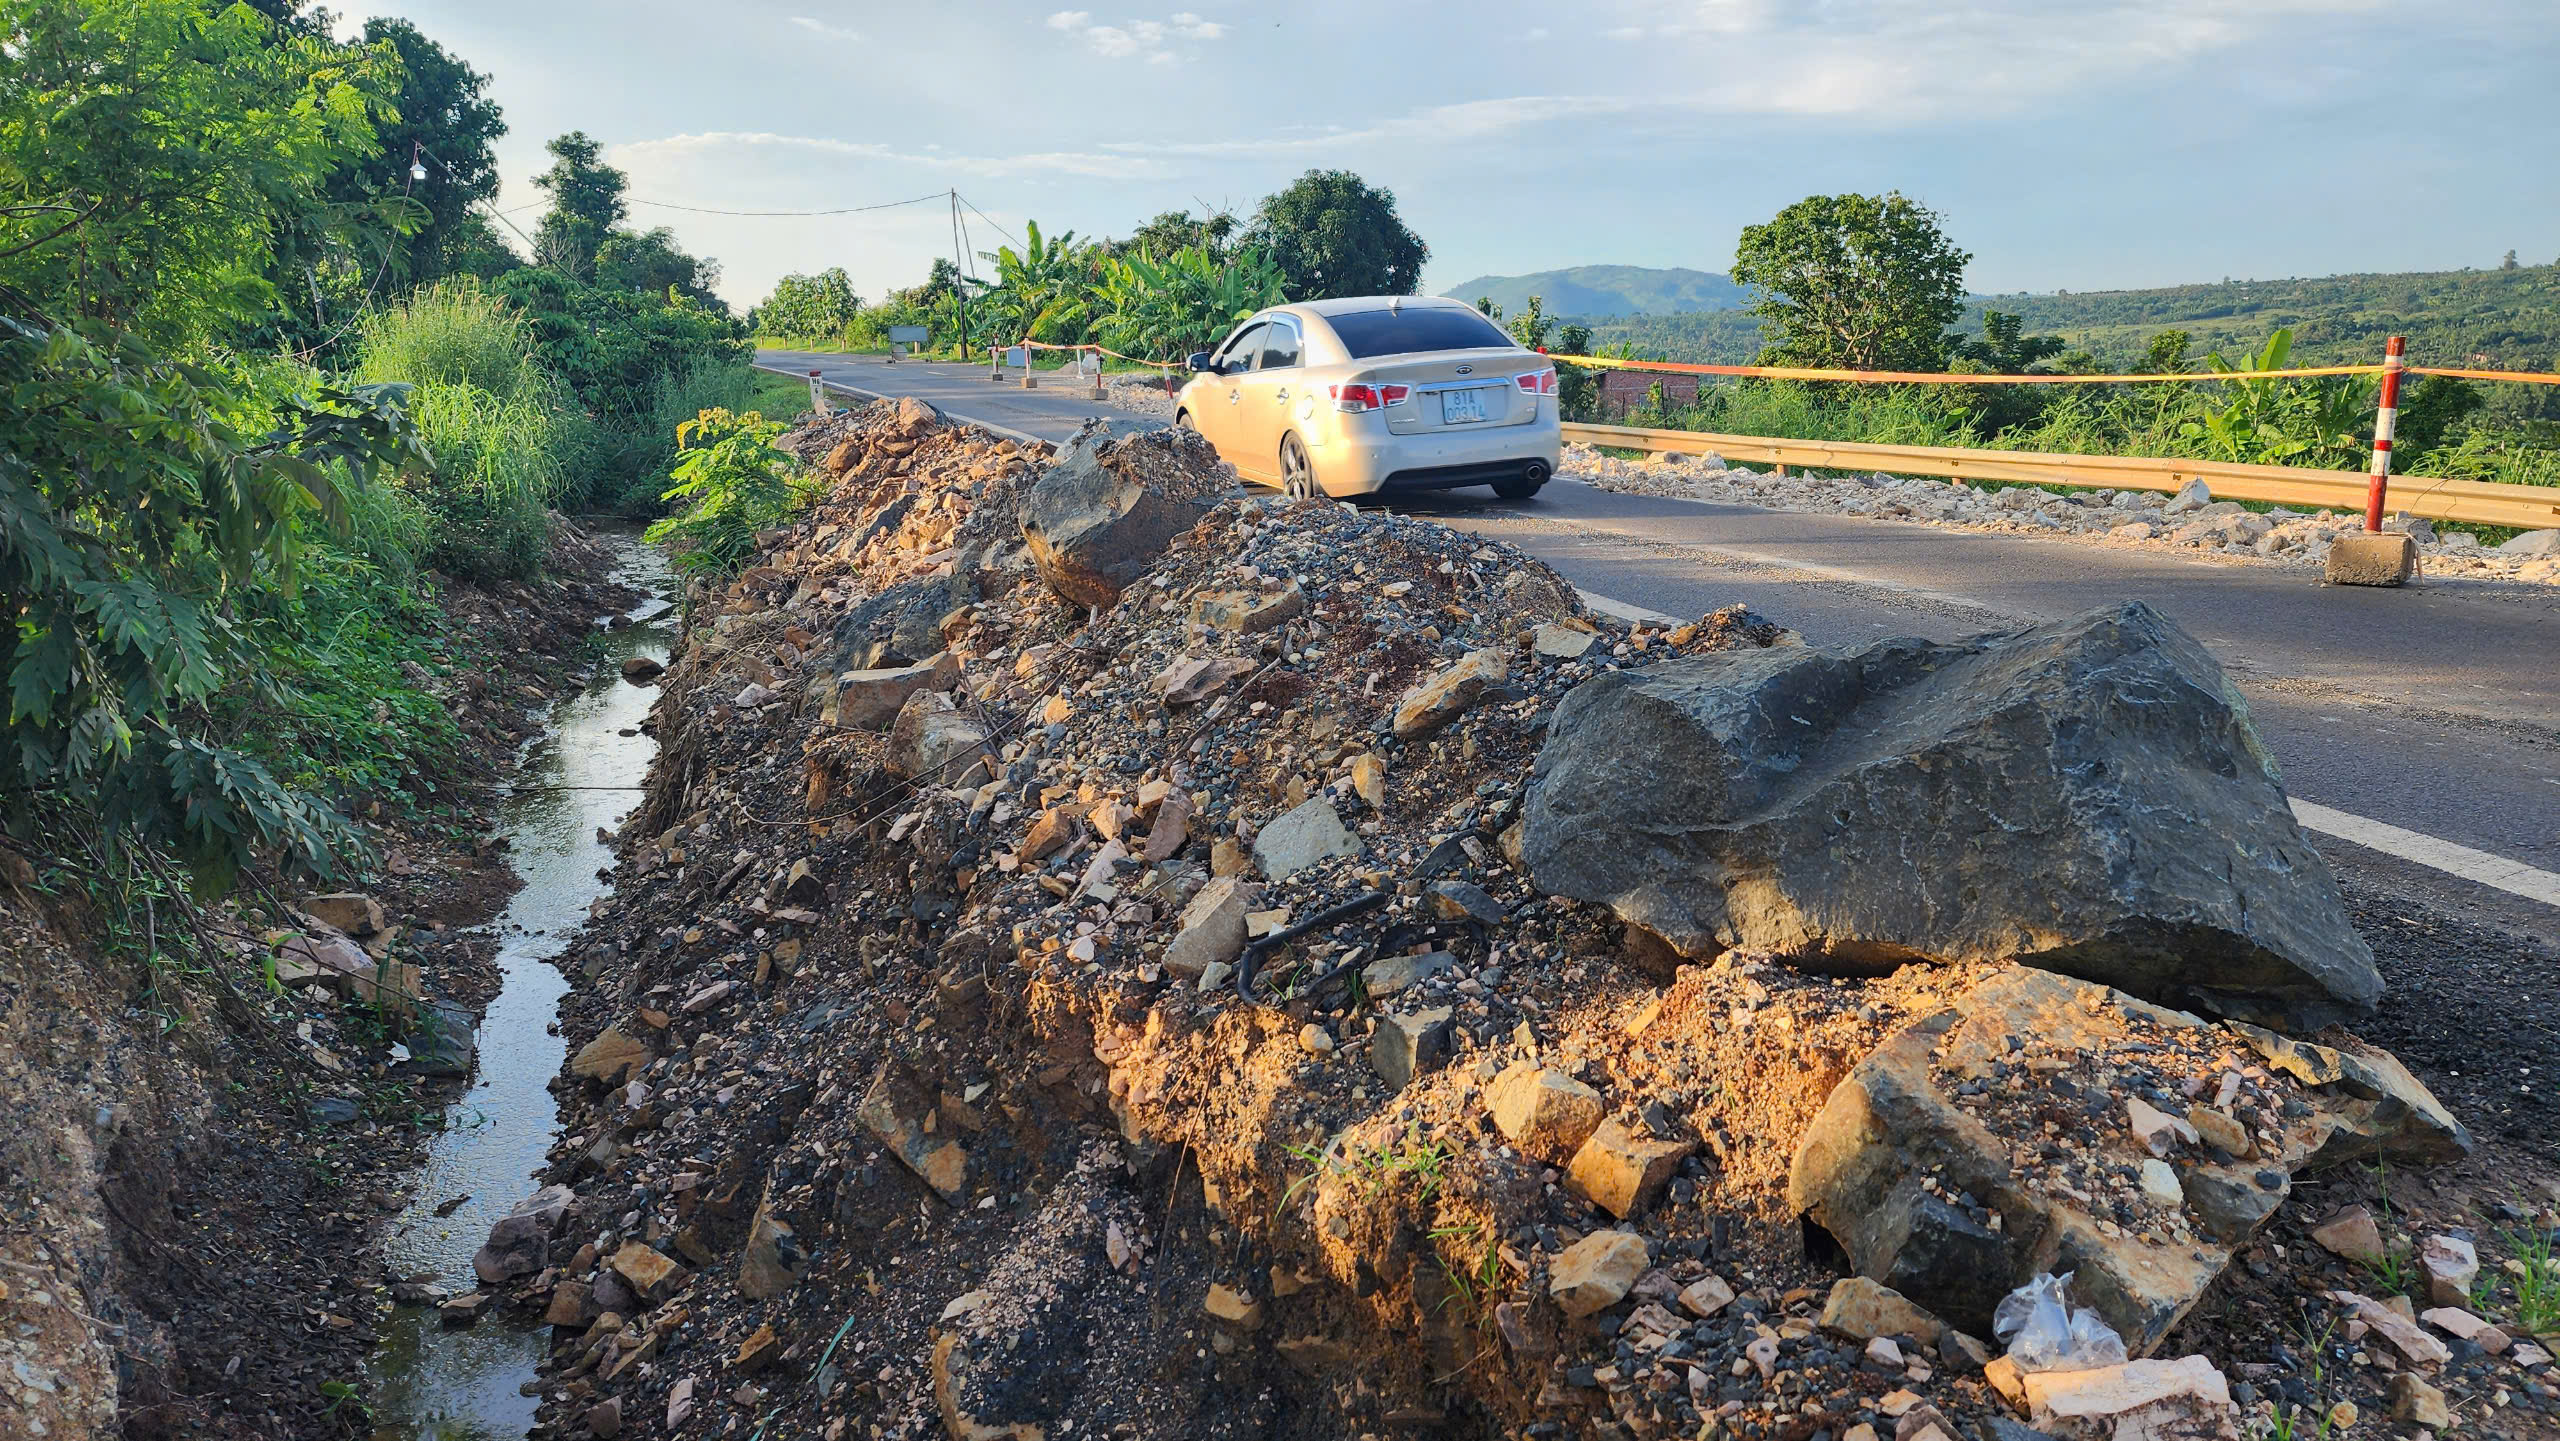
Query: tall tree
{"x": 153, "y": 152}
{"x": 586, "y": 204}
{"x": 1859, "y": 282}
{"x": 1333, "y": 234}
{"x": 653, "y": 262}
{"x": 1173, "y": 230}
{"x": 444, "y": 118}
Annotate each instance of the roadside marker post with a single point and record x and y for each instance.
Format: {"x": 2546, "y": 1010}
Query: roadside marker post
{"x": 817, "y": 393}
{"x": 2374, "y": 557}
{"x": 1090, "y": 361}
{"x": 2386, "y": 422}
{"x": 995, "y": 362}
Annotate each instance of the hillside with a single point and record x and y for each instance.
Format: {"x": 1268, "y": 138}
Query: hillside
{"x": 1606, "y": 290}
{"x": 2500, "y": 318}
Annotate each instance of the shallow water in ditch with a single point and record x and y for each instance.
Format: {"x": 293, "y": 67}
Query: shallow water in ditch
{"x": 436, "y": 1384}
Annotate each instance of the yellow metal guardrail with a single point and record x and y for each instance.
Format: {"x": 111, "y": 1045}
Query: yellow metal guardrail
{"x": 2466, "y": 502}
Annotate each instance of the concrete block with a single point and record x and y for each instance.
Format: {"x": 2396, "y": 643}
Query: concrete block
{"x": 2368, "y": 558}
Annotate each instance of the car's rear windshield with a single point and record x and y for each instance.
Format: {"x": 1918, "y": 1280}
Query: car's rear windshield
{"x": 1367, "y": 333}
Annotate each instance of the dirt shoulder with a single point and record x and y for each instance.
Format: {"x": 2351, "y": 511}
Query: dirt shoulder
{"x": 199, "y": 1167}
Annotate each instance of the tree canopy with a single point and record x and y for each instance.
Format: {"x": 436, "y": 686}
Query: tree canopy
{"x": 586, "y": 205}
{"x": 1859, "y": 282}
{"x": 1333, "y": 234}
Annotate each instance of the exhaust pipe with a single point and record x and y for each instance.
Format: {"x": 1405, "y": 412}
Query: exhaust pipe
{"x": 1535, "y": 472}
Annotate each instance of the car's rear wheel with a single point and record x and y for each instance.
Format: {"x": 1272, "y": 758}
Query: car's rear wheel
{"x": 1297, "y": 476}
{"x": 1531, "y": 479}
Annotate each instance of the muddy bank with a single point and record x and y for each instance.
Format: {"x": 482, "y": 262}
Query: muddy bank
{"x": 196, "y": 1180}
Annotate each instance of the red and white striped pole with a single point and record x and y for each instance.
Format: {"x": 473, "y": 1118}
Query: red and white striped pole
{"x": 2385, "y": 420}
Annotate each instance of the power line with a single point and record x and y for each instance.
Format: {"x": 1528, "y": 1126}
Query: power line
{"x": 779, "y": 214}
{"x": 982, "y": 215}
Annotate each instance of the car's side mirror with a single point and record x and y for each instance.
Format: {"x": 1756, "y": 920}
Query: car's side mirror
{"x": 1199, "y": 360}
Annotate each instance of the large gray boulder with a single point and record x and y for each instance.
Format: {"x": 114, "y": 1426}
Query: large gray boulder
{"x": 2086, "y": 796}
{"x": 1104, "y": 514}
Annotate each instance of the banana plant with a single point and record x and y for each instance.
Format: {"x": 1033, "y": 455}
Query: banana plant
{"x": 2271, "y": 421}
{"x": 1043, "y": 291}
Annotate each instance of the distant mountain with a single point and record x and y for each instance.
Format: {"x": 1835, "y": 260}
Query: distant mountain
{"x": 1606, "y": 290}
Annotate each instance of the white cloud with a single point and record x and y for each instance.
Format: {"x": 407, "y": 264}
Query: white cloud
{"x": 821, "y": 27}
{"x": 1048, "y": 162}
{"x": 1133, "y": 38}
{"x": 1624, "y": 32}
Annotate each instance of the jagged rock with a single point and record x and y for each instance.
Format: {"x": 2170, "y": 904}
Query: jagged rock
{"x": 1405, "y": 1046}
{"x": 871, "y": 699}
{"x": 1444, "y": 697}
{"x": 1310, "y": 833}
{"x": 2351, "y": 1234}
{"x": 900, "y": 626}
{"x": 353, "y": 912}
{"x": 443, "y": 1042}
{"x": 1093, "y": 526}
{"x": 2532, "y": 543}
{"x": 604, "y": 1419}
{"x": 1194, "y": 679}
{"x": 2375, "y": 1106}
{"x": 2450, "y": 1264}
{"x": 641, "y": 669}
{"x": 1232, "y": 1306}
{"x": 519, "y": 1245}
{"x": 1596, "y": 1272}
{"x": 2456, "y": 1322}
{"x": 651, "y": 1276}
{"x": 1547, "y": 1114}
{"x": 2415, "y": 1402}
{"x": 2033, "y": 794}
{"x": 1466, "y": 901}
{"x": 1247, "y": 612}
{"x": 1563, "y": 641}
{"x": 609, "y": 1057}
{"x": 1212, "y": 926}
{"x": 768, "y": 1265}
{"x": 931, "y": 740}
{"x": 1858, "y": 1307}
{"x": 1892, "y": 1144}
{"x": 893, "y": 1113}
{"x": 2182, "y": 1400}
{"x": 1621, "y": 1169}
{"x": 573, "y": 1304}
{"x": 1706, "y": 1296}
{"x": 1390, "y": 975}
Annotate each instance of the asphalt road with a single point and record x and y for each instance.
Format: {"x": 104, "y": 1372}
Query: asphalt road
{"x": 2434, "y": 708}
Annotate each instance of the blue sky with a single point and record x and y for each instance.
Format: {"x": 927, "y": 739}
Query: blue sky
{"x": 2071, "y": 144}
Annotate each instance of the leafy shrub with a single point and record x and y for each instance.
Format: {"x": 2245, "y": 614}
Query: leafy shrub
{"x": 731, "y": 482}
{"x": 630, "y": 466}
{"x": 141, "y": 502}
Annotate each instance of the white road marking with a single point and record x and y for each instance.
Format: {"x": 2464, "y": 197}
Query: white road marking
{"x": 2514, "y": 877}
{"x": 1607, "y": 605}
{"x": 2480, "y": 867}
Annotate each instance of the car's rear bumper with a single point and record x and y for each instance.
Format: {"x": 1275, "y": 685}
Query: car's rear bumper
{"x": 1365, "y": 465}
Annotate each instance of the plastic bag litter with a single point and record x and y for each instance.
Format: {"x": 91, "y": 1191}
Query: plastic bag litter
{"x": 2044, "y": 1332}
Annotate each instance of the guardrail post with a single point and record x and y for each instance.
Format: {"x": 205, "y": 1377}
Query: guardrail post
{"x": 2386, "y": 419}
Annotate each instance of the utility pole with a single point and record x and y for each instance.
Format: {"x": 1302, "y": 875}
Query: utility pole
{"x": 959, "y": 285}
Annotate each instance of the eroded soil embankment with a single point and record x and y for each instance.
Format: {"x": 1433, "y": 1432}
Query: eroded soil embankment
{"x": 196, "y": 1171}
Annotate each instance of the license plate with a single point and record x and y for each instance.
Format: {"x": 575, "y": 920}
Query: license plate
{"x": 1462, "y": 407}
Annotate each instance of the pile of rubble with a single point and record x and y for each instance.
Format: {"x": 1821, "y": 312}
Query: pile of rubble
{"x": 1105, "y": 955}
{"x": 2189, "y": 520}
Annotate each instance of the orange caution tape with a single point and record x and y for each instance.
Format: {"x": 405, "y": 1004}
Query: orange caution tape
{"x": 1943, "y": 377}
{"x": 2530, "y": 377}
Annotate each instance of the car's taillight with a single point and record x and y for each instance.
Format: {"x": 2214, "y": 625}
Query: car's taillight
{"x": 1537, "y": 382}
{"x": 1358, "y": 397}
